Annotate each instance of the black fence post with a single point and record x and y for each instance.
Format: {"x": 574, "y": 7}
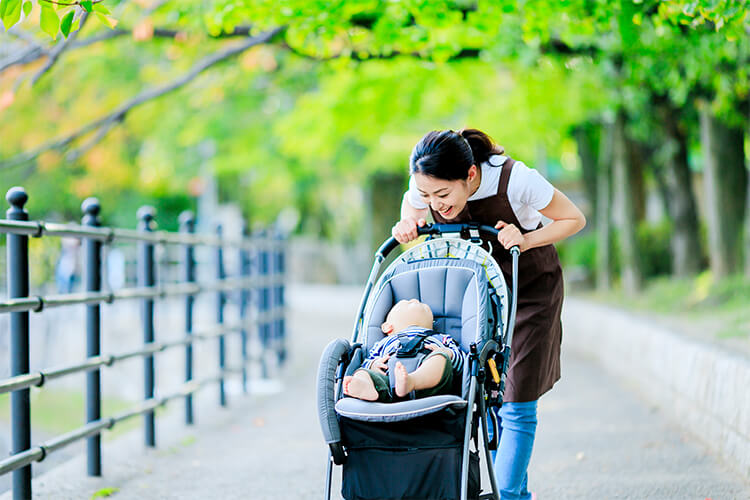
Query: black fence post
{"x": 264, "y": 302}
{"x": 92, "y": 278}
{"x": 18, "y": 286}
{"x": 220, "y": 301}
{"x": 280, "y": 270}
{"x": 244, "y": 264}
{"x": 187, "y": 225}
{"x": 146, "y": 278}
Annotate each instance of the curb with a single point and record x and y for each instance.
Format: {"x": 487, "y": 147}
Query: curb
{"x": 703, "y": 388}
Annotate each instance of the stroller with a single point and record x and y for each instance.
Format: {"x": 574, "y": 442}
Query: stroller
{"x": 420, "y": 448}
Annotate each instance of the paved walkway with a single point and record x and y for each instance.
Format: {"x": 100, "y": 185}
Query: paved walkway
{"x": 596, "y": 439}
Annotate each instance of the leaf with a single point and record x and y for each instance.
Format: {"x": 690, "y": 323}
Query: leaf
{"x": 66, "y": 23}
{"x": 101, "y": 8}
{"x": 10, "y": 12}
{"x": 27, "y": 8}
{"x": 49, "y": 21}
{"x": 108, "y": 21}
{"x": 87, "y": 5}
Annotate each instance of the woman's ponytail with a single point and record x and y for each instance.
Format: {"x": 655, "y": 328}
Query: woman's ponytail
{"x": 482, "y": 146}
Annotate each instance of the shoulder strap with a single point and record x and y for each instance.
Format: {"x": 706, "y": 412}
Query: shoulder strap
{"x": 502, "y": 186}
{"x": 410, "y": 348}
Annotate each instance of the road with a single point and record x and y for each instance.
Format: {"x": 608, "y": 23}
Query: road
{"x": 596, "y": 438}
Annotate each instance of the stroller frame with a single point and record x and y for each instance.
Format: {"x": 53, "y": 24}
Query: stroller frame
{"x": 339, "y": 354}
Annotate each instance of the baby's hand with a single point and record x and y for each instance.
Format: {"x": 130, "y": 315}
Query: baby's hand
{"x": 381, "y": 364}
{"x": 435, "y": 348}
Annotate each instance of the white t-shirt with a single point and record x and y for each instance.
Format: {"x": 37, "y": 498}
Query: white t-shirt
{"x": 528, "y": 191}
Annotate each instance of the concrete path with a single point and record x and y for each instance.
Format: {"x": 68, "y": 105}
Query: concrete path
{"x": 596, "y": 439}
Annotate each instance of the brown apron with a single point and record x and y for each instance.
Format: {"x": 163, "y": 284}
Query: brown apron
{"x": 535, "y": 350}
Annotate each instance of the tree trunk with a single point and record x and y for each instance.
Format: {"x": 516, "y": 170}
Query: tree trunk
{"x": 604, "y": 209}
{"x": 747, "y": 232}
{"x": 624, "y": 193}
{"x": 660, "y": 176}
{"x": 387, "y": 191}
{"x": 680, "y": 200}
{"x": 725, "y": 181}
{"x": 636, "y": 154}
{"x": 584, "y": 136}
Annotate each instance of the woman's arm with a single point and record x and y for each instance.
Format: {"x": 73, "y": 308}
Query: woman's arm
{"x": 567, "y": 220}
{"x": 405, "y": 230}
{"x": 409, "y": 211}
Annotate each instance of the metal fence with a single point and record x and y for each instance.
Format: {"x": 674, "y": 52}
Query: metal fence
{"x": 257, "y": 285}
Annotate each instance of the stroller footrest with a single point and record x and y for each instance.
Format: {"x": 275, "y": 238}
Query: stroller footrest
{"x": 367, "y": 411}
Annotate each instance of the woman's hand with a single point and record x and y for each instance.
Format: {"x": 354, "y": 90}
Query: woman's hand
{"x": 405, "y": 230}
{"x": 510, "y": 236}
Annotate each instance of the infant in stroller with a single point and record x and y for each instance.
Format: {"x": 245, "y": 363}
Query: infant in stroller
{"x": 384, "y": 376}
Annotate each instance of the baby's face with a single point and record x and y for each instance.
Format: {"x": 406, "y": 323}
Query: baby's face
{"x": 409, "y": 313}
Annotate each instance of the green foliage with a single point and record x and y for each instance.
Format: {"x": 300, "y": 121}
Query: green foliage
{"x": 10, "y": 12}
{"x": 66, "y": 23}
{"x": 49, "y": 21}
{"x": 700, "y": 305}
{"x": 54, "y": 17}
{"x": 654, "y": 245}
{"x": 286, "y": 128}
{"x": 579, "y": 252}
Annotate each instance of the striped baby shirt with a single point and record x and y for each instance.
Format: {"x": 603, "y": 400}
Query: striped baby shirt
{"x": 391, "y": 343}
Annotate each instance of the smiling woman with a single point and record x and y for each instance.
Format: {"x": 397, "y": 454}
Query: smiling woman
{"x": 465, "y": 177}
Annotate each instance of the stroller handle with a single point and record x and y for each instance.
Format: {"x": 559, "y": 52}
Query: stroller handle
{"x": 439, "y": 229}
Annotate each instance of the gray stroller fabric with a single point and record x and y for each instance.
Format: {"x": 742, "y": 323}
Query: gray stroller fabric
{"x": 455, "y": 289}
{"x": 367, "y": 411}
{"x": 329, "y": 361}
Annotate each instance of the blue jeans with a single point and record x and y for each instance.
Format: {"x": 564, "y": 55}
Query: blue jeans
{"x": 517, "y": 429}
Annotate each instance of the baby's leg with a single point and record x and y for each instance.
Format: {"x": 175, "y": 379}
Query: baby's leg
{"x": 361, "y": 386}
{"x": 427, "y": 376}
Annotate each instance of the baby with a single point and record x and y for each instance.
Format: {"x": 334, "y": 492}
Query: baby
{"x": 407, "y": 319}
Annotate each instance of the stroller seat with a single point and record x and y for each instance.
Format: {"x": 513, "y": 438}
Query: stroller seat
{"x": 455, "y": 289}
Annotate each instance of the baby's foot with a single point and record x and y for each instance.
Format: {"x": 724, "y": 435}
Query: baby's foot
{"x": 359, "y": 388}
{"x": 404, "y": 383}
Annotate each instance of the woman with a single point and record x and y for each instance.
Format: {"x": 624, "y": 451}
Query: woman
{"x": 464, "y": 176}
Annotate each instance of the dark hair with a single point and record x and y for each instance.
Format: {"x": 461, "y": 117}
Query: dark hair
{"x": 448, "y": 155}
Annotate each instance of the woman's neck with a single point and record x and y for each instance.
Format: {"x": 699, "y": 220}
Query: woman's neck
{"x": 475, "y": 183}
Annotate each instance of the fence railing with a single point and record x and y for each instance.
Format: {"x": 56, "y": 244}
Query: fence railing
{"x": 258, "y": 282}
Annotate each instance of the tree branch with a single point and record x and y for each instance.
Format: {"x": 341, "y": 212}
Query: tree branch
{"x": 55, "y": 53}
{"x": 38, "y": 52}
{"x": 76, "y": 153}
{"x": 119, "y": 113}
{"x": 31, "y": 54}
{"x": 355, "y": 56}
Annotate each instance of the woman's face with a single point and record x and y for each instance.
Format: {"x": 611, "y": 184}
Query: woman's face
{"x": 448, "y": 198}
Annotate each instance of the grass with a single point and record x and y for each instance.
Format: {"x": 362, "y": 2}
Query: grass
{"x": 104, "y": 492}
{"x": 55, "y": 411}
{"x": 701, "y": 300}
